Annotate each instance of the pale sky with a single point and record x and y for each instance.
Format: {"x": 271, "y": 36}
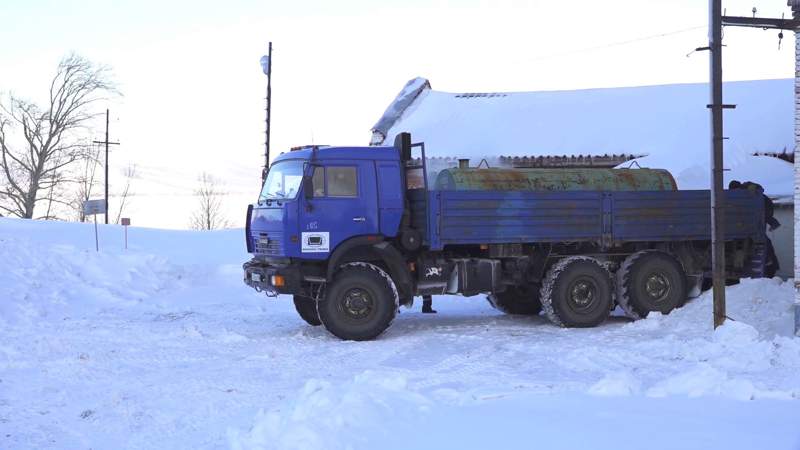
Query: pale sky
{"x": 194, "y": 91}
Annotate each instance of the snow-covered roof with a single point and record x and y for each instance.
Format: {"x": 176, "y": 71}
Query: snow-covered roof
{"x": 669, "y": 124}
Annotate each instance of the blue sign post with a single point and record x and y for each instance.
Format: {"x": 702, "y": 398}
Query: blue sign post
{"x": 93, "y": 208}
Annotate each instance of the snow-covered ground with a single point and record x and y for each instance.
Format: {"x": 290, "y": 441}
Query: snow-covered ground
{"x": 162, "y": 346}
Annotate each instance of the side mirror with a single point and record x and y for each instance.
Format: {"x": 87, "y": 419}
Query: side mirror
{"x": 402, "y": 142}
{"x": 248, "y": 238}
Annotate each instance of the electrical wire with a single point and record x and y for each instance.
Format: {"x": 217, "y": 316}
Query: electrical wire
{"x": 617, "y": 44}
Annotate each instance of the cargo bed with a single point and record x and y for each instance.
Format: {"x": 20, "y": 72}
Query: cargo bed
{"x": 606, "y": 218}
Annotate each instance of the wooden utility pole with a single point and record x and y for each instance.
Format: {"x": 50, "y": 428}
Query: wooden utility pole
{"x": 717, "y": 194}
{"x": 107, "y": 143}
{"x": 795, "y": 5}
{"x": 716, "y": 22}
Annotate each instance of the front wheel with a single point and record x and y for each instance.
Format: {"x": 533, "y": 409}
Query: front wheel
{"x": 577, "y": 292}
{"x": 360, "y": 303}
{"x": 307, "y": 309}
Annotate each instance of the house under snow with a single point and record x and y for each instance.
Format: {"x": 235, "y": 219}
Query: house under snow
{"x": 651, "y": 126}
{"x": 660, "y": 126}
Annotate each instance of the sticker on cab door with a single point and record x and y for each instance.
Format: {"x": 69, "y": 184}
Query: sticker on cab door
{"x": 315, "y": 242}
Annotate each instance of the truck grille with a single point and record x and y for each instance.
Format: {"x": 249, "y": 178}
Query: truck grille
{"x": 269, "y": 243}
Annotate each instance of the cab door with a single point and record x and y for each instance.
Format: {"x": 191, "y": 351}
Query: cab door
{"x": 344, "y": 204}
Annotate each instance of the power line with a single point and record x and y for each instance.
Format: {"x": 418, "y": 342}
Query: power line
{"x": 617, "y": 44}
{"x": 184, "y": 194}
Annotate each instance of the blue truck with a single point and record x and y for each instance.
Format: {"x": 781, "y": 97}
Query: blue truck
{"x": 352, "y": 235}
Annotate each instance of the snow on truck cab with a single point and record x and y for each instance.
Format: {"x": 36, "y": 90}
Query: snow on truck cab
{"x": 352, "y": 233}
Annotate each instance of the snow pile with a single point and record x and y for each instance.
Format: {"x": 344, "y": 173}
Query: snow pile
{"x": 324, "y": 416}
{"x": 46, "y": 283}
{"x": 765, "y": 304}
{"x": 704, "y": 380}
{"x": 734, "y": 360}
{"x": 616, "y": 384}
{"x": 51, "y": 271}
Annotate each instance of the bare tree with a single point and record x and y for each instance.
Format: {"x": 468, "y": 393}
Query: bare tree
{"x": 209, "y": 214}
{"x": 130, "y": 174}
{"x": 86, "y": 181}
{"x": 48, "y": 140}
{"x": 53, "y": 196}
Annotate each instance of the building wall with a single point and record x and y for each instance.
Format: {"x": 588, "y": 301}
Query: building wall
{"x": 796, "y": 15}
{"x": 783, "y": 240}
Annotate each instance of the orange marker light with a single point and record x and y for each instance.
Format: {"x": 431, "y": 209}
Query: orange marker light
{"x": 278, "y": 281}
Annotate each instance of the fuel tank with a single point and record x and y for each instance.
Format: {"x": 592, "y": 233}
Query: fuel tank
{"x": 473, "y": 179}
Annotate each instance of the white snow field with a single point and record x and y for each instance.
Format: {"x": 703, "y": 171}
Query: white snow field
{"x": 163, "y": 347}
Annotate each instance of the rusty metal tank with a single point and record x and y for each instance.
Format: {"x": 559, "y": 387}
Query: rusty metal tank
{"x": 469, "y": 179}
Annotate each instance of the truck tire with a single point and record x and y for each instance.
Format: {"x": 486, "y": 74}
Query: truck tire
{"x": 577, "y": 292}
{"x": 307, "y": 309}
{"x": 650, "y": 280}
{"x": 522, "y": 300}
{"x": 360, "y": 303}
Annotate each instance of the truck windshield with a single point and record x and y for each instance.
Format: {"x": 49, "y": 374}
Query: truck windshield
{"x": 283, "y": 180}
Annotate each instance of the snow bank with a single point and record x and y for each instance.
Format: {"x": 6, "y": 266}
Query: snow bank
{"x": 735, "y": 359}
{"x": 362, "y": 411}
{"x": 764, "y": 304}
{"x": 193, "y": 248}
{"x": 50, "y": 271}
{"x": 616, "y": 384}
{"x": 52, "y": 283}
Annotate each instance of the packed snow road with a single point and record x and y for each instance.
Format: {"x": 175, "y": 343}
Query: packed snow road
{"x": 162, "y": 346}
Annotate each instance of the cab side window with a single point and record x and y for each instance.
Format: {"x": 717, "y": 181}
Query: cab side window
{"x": 318, "y": 181}
{"x": 341, "y": 182}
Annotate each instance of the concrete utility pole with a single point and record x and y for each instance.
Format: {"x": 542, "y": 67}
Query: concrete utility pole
{"x": 716, "y": 21}
{"x": 107, "y": 143}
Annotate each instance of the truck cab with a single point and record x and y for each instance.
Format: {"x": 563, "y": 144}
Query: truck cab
{"x": 317, "y": 205}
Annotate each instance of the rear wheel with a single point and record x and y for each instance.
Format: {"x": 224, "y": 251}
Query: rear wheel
{"x": 307, "y": 309}
{"x": 522, "y": 300}
{"x": 360, "y": 303}
{"x": 577, "y": 292}
{"x": 649, "y": 281}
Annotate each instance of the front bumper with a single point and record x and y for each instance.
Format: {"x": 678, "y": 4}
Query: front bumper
{"x": 259, "y": 274}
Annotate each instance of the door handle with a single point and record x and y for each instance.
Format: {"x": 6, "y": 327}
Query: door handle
{"x": 359, "y": 219}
